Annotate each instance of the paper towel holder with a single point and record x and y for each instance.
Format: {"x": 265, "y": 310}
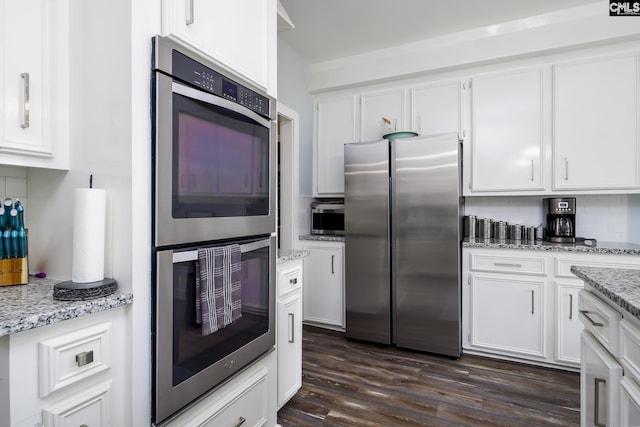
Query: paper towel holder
{"x": 75, "y": 291}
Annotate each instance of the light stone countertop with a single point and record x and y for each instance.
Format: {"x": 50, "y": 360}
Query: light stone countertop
{"x": 286, "y": 255}
{"x": 322, "y": 237}
{"x": 30, "y": 306}
{"x": 620, "y": 285}
{"x": 539, "y": 245}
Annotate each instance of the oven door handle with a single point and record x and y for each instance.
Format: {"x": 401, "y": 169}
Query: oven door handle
{"x": 199, "y": 95}
{"x": 193, "y": 255}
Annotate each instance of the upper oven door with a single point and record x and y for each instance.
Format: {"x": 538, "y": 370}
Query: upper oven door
{"x": 214, "y": 167}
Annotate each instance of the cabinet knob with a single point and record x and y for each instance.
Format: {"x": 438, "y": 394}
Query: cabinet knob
{"x": 84, "y": 358}
{"x": 293, "y": 281}
{"x": 241, "y": 421}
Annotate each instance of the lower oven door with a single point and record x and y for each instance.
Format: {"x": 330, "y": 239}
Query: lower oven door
{"x": 189, "y": 363}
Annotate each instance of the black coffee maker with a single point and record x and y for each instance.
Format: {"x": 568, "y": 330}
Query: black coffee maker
{"x": 561, "y": 219}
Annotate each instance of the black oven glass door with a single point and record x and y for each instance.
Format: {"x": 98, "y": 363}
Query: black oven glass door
{"x": 220, "y": 162}
{"x": 214, "y": 169}
{"x": 189, "y": 363}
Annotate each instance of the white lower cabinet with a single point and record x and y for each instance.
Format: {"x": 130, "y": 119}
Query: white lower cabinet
{"x": 71, "y": 373}
{"x": 568, "y": 326}
{"x": 599, "y": 384}
{"x": 243, "y": 401}
{"x": 323, "y": 294}
{"x": 629, "y": 403}
{"x": 524, "y": 304}
{"x": 514, "y": 327}
{"x": 289, "y": 330}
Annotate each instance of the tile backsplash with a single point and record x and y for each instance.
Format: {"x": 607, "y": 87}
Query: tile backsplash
{"x": 611, "y": 217}
{"x": 13, "y": 183}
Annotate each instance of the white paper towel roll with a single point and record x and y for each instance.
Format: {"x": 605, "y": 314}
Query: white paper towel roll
{"x": 88, "y": 235}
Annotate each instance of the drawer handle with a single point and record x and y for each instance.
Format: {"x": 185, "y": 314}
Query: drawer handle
{"x": 293, "y": 281}
{"x": 585, "y": 313}
{"x": 533, "y": 296}
{"x": 596, "y": 409}
{"x": 84, "y": 358}
{"x": 189, "y": 18}
{"x": 25, "y": 100}
{"x": 292, "y": 326}
{"x": 507, "y": 264}
{"x": 241, "y": 421}
{"x": 332, "y": 269}
{"x": 570, "y": 306}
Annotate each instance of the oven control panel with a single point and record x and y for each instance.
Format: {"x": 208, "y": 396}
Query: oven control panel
{"x": 201, "y": 76}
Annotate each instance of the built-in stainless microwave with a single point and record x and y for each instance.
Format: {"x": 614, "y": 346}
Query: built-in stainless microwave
{"x": 327, "y": 218}
{"x": 213, "y": 147}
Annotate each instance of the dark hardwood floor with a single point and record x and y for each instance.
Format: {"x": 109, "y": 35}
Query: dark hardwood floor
{"x": 351, "y": 383}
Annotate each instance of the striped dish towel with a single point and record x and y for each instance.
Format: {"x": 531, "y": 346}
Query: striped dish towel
{"x": 220, "y": 286}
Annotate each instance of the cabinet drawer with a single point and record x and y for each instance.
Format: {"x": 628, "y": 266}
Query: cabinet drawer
{"x": 630, "y": 348}
{"x": 601, "y": 320}
{"x": 89, "y": 408}
{"x": 289, "y": 280}
{"x": 72, "y": 357}
{"x": 508, "y": 264}
{"x": 563, "y": 265}
{"x": 245, "y": 404}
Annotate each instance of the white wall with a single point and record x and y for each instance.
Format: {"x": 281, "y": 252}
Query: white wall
{"x": 292, "y": 91}
{"x": 603, "y": 217}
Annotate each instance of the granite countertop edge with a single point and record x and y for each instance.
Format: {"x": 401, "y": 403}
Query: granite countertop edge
{"x": 620, "y": 285}
{"x": 31, "y": 306}
{"x": 291, "y": 255}
{"x": 321, "y": 237}
{"x": 600, "y": 248}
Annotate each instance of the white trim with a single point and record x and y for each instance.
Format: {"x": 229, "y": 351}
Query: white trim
{"x": 289, "y": 175}
{"x": 580, "y": 26}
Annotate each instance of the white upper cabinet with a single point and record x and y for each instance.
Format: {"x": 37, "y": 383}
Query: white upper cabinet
{"x": 34, "y": 83}
{"x": 435, "y": 109}
{"x": 507, "y": 122}
{"x": 596, "y": 124}
{"x": 335, "y": 121}
{"x": 238, "y": 34}
{"x": 375, "y": 107}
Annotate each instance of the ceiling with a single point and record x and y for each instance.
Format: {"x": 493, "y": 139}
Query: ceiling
{"x": 330, "y": 29}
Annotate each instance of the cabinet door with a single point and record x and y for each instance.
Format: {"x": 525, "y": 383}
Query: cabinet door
{"x": 596, "y": 107}
{"x": 377, "y": 106}
{"x": 436, "y": 108}
{"x": 568, "y": 325}
{"x": 508, "y": 314}
{"x": 507, "y": 143}
{"x": 600, "y": 377}
{"x": 323, "y": 292}
{"x": 238, "y": 34}
{"x": 335, "y": 126}
{"x": 89, "y": 408}
{"x": 630, "y": 402}
{"x": 29, "y": 35}
{"x": 289, "y": 331}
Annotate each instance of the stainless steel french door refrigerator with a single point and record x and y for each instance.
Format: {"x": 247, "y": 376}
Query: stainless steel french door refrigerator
{"x": 402, "y": 242}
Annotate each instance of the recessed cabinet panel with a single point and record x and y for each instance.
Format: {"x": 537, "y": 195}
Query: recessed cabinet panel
{"x": 89, "y": 408}
{"x": 568, "y": 323}
{"x": 378, "y": 106}
{"x": 599, "y": 385}
{"x": 508, "y": 314}
{"x": 73, "y": 357}
{"x": 507, "y": 122}
{"x": 234, "y": 33}
{"x": 323, "y": 294}
{"x": 596, "y": 125}
{"x": 336, "y": 126}
{"x": 34, "y": 83}
{"x": 435, "y": 109}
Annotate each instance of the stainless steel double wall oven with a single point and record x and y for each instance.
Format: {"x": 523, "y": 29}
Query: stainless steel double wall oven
{"x": 213, "y": 186}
